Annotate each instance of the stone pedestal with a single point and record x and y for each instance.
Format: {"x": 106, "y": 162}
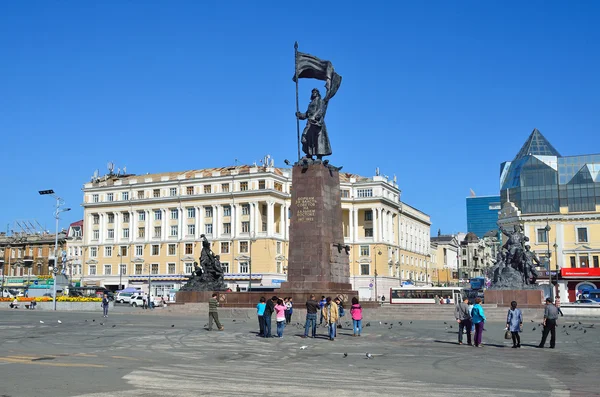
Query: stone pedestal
{"x": 318, "y": 261}
{"x": 532, "y": 298}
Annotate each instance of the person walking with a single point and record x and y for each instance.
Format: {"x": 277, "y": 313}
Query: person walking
{"x": 105, "y": 303}
{"x": 514, "y": 323}
{"x": 330, "y": 315}
{"x": 280, "y": 317}
{"x": 550, "y": 316}
{"x": 322, "y": 303}
{"x": 269, "y": 308}
{"x": 463, "y": 318}
{"x": 312, "y": 306}
{"x": 260, "y": 312}
{"x": 213, "y": 304}
{"x": 478, "y": 318}
{"x": 356, "y": 313}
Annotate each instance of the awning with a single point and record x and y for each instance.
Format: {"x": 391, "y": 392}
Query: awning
{"x": 580, "y": 272}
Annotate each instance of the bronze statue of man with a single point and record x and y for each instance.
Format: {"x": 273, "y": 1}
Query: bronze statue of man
{"x": 315, "y": 141}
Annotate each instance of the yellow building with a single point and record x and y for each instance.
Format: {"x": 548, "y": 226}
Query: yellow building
{"x": 149, "y": 226}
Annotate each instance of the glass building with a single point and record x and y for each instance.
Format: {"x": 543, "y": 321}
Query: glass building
{"x": 540, "y": 181}
{"x": 482, "y": 214}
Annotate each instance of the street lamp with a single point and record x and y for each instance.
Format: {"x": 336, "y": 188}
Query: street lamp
{"x": 59, "y": 202}
{"x": 120, "y": 272}
{"x": 376, "y": 296}
{"x": 548, "y": 255}
{"x": 427, "y": 258}
{"x": 557, "y": 291}
{"x": 252, "y": 240}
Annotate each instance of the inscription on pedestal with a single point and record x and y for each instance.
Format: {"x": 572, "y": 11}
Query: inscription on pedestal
{"x": 306, "y": 207}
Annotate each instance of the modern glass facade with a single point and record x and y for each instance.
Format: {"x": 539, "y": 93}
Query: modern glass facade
{"x": 539, "y": 180}
{"x": 482, "y": 214}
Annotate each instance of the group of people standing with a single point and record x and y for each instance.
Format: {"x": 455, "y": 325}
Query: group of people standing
{"x": 470, "y": 318}
{"x": 283, "y": 309}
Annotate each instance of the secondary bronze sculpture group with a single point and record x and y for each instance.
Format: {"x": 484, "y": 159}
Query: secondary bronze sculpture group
{"x": 515, "y": 263}
{"x": 208, "y": 276}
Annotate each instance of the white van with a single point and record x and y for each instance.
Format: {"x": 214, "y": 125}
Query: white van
{"x": 124, "y": 297}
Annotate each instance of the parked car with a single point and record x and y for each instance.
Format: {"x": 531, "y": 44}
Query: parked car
{"x": 124, "y": 297}
{"x": 587, "y": 302}
{"x": 137, "y": 300}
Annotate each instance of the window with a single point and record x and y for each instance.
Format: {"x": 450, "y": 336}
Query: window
{"x": 243, "y": 247}
{"x": 108, "y": 251}
{"x": 126, "y": 232}
{"x": 368, "y": 232}
{"x": 595, "y": 260}
{"x": 172, "y": 249}
{"x": 225, "y": 248}
{"x": 264, "y": 227}
{"x": 111, "y": 218}
{"x": 96, "y": 234}
{"x": 464, "y": 263}
{"x": 139, "y": 250}
{"x": 582, "y": 235}
{"x": 208, "y": 212}
{"x": 225, "y": 267}
{"x": 368, "y": 215}
{"x": 226, "y": 210}
{"x": 278, "y": 246}
{"x": 125, "y": 196}
{"x": 542, "y": 236}
{"x": 225, "y": 187}
{"x": 123, "y": 250}
{"x": 173, "y": 191}
{"x": 364, "y": 193}
{"x": 157, "y": 231}
{"x": 189, "y": 249}
{"x": 208, "y": 228}
{"x": 154, "y": 268}
{"x": 245, "y": 227}
{"x": 93, "y": 252}
{"x": 39, "y": 251}
{"x": 278, "y": 186}
{"x": 191, "y": 229}
{"x": 262, "y": 184}
{"x": 243, "y": 186}
{"x": 95, "y": 198}
{"x": 157, "y": 215}
{"x": 156, "y": 193}
{"x": 365, "y": 269}
{"x": 207, "y": 189}
{"x": 155, "y": 250}
{"x": 123, "y": 269}
{"x": 584, "y": 261}
{"x": 96, "y": 219}
{"x": 191, "y": 212}
{"x": 140, "y": 194}
{"x": 243, "y": 267}
{"x": 109, "y": 196}
{"x": 189, "y": 267}
{"x": 175, "y": 214}
{"x": 92, "y": 270}
{"x": 227, "y": 228}
{"x": 174, "y": 231}
{"x": 245, "y": 209}
{"x": 110, "y": 233}
{"x": 345, "y": 193}
{"x": 171, "y": 268}
{"x": 141, "y": 232}
{"x": 141, "y": 216}
{"x": 189, "y": 190}
{"x": 107, "y": 269}
{"x": 138, "y": 269}
{"x": 365, "y": 250}
{"x": 125, "y": 217}
{"x": 278, "y": 267}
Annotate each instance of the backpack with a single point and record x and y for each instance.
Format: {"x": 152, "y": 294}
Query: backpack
{"x": 341, "y": 311}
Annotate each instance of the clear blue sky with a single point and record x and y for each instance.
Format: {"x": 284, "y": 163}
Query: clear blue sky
{"x": 436, "y": 92}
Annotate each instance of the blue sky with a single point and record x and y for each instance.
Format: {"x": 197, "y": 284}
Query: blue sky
{"x": 438, "y": 93}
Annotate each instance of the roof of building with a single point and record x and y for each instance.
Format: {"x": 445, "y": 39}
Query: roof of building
{"x": 536, "y": 144}
{"x": 444, "y": 238}
{"x": 471, "y": 238}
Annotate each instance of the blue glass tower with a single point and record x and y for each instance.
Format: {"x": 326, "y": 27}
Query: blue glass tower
{"x": 482, "y": 214}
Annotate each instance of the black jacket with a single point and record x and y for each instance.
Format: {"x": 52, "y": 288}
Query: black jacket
{"x": 269, "y": 308}
{"x": 312, "y": 307}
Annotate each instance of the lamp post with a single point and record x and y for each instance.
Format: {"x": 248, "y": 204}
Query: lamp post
{"x": 376, "y": 296}
{"x": 120, "y": 272}
{"x": 252, "y": 240}
{"x": 557, "y": 291}
{"x": 427, "y": 257}
{"x": 59, "y": 202}
{"x": 548, "y": 255}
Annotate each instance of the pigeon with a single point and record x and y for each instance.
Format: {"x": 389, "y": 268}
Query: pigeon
{"x": 567, "y": 333}
{"x": 86, "y": 320}
{"x": 446, "y": 328}
{"x": 369, "y": 356}
{"x": 367, "y": 324}
{"x": 445, "y": 322}
{"x": 233, "y": 320}
{"x": 570, "y": 326}
{"x": 579, "y": 322}
{"x": 385, "y": 323}
{"x": 533, "y": 329}
{"x": 592, "y": 326}
{"x": 585, "y": 331}
{"x": 345, "y": 355}
{"x": 60, "y": 322}
{"x": 450, "y": 326}
{"x": 93, "y": 320}
{"x": 531, "y": 320}
{"x": 101, "y": 323}
{"x": 564, "y": 326}
{"x": 399, "y": 322}
{"x": 172, "y": 325}
{"x": 303, "y": 347}
{"x": 380, "y": 323}
{"x": 114, "y": 325}
{"x": 41, "y": 322}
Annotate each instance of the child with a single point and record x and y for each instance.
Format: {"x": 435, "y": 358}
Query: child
{"x": 280, "y": 317}
{"x": 356, "y": 313}
{"x": 289, "y": 309}
{"x": 260, "y": 311}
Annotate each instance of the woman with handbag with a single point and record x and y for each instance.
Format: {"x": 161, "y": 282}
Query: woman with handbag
{"x": 514, "y": 324}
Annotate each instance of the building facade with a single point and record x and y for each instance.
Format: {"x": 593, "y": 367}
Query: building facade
{"x": 482, "y": 214}
{"x": 557, "y": 200}
{"x": 478, "y": 255}
{"x": 146, "y": 229}
{"x": 447, "y": 256}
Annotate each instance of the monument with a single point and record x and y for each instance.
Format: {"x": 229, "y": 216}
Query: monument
{"x": 209, "y": 275}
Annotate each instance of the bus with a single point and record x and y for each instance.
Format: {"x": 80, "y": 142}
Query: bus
{"x": 593, "y": 294}
{"x": 409, "y": 295}
{"x": 477, "y": 283}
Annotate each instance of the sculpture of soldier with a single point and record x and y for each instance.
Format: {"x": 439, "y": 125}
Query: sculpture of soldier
{"x": 514, "y": 245}
{"x": 530, "y": 274}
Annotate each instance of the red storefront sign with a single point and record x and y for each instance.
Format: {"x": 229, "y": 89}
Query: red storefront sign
{"x": 580, "y": 272}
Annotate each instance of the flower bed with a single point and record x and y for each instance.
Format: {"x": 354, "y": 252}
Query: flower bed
{"x": 49, "y": 299}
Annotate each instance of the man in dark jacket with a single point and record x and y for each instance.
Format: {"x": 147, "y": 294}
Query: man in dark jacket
{"x": 267, "y": 316}
{"x": 312, "y": 307}
{"x": 463, "y": 317}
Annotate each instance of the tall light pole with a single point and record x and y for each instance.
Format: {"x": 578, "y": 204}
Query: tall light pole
{"x": 548, "y": 255}
{"x": 557, "y": 291}
{"x": 59, "y": 202}
{"x": 252, "y": 240}
{"x": 376, "y": 296}
{"x": 120, "y": 272}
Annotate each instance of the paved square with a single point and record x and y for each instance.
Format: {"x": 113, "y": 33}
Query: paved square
{"x": 143, "y": 355}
